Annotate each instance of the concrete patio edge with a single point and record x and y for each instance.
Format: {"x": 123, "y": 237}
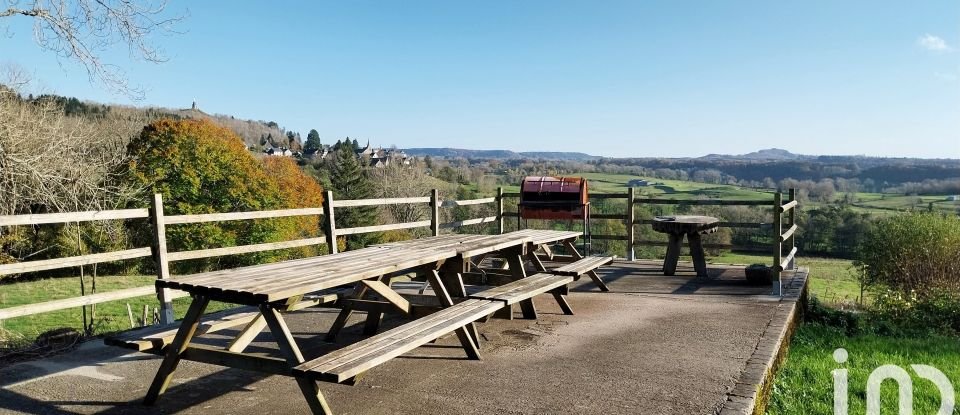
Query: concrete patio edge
{"x": 751, "y": 393}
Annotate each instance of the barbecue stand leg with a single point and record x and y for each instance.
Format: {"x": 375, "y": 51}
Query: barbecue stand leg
{"x": 696, "y": 251}
{"x": 290, "y": 351}
{"x": 471, "y": 348}
{"x": 188, "y": 327}
{"x": 673, "y": 254}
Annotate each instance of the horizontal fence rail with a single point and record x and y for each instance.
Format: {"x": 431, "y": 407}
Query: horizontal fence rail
{"x": 223, "y": 217}
{"x": 69, "y": 217}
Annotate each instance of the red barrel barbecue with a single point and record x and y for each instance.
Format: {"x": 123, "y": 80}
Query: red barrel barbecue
{"x": 554, "y": 198}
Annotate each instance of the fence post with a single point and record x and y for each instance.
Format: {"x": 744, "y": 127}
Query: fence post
{"x": 160, "y": 257}
{"x": 500, "y": 210}
{"x": 631, "y": 216}
{"x": 793, "y": 221}
{"x": 331, "y": 231}
{"x": 435, "y": 212}
{"x": 777, "y": 245}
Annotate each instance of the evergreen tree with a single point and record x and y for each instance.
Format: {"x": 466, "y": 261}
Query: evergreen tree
{"x": 349, "y": 181}
{"x": 356, "y": 145}
{"x": 313, "y": 142}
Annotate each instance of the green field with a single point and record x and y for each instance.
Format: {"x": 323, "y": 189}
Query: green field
{"x": 874, "y": 203}
{"x": 111, "y": 316}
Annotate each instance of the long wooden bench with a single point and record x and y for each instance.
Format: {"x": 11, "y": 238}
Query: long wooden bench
{"x": 346, "y": 364}
{"x": 585, "y": 265}
{"x": 154, "y": 339}
{"x": 526, "y": 288}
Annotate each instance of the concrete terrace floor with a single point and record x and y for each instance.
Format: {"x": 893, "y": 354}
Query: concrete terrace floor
{"x": 653, "y": 345}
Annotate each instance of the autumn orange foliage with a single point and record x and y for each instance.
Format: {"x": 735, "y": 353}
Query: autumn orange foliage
{"x": 201, "y": 167}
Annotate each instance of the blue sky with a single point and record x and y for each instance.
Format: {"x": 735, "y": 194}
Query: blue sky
{"x": 612, "y": 78}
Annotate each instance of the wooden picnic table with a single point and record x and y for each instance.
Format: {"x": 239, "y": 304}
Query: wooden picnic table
{"x": 277, "y": 287}
{"x": 692, "y": 227}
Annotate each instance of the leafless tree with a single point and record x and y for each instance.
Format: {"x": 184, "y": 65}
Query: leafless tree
{"x": 81, "y": 30}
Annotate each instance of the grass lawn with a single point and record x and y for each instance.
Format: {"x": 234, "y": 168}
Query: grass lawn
{"x": 805, "y": 384}
{"x": 111, "y": 316}
{"x": 833, "y": 281}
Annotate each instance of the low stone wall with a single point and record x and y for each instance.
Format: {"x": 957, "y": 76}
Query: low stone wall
{"x": 751, "y": 393}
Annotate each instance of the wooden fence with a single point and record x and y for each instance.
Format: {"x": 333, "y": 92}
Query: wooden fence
{"x": 162, "y": 257}
{"x": 630, "y": 221}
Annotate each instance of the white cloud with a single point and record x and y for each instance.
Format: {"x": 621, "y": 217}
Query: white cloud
{"x": 935, "y": 43}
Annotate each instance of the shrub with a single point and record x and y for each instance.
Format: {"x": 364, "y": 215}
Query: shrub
{"x": 914, "y": 253}
{"x": 911, "y": 262}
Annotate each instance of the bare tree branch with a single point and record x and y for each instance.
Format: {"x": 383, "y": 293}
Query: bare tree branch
{"x": 82, "y": 30}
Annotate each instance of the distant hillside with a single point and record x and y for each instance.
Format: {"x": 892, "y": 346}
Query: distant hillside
{"x": 768, "y": 154}
{"x": 256, "y": 134}
{"x": 497, "y": 154}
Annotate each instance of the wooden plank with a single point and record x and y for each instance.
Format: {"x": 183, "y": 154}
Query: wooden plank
{"x": 346, "y": 363}
{"x": 243, "y": 249}
{"x": 610, "y": 237}
{"x": 500, "y": 228}
{"x": 786, "y": 235}
{"x": 93, "y": 215}
{"x": 378, "y": 202}
{"x": 608, "y": 195}
{"x": 370, "y": 345}
{"x": 466, "y": 222}
{"x": 435, "y": 212}
{"x": 616, "y": 216}
{"x": 751, "y": 225}
{"x": 452, "y": 203}
{"x": 356, "y": 367}
{"x": 389, "y": 294}
{"x": 235, "y": 360}
{"x": 231, "y": 216}
{"x": 784, "y": 264}
{"x": 74, "y": 261}
{"x": 155, "y": 338}
{"x": 103, "y": 297}
{"x": 789, "y": 205}
{"x": 161, "y": 262}
{"x": 331, "y": 227}
{"x": 381, "y": 228}
{"x": 523, "y": 289}
{"x": 703, "y": 202}
{"x": 583, "y": 266}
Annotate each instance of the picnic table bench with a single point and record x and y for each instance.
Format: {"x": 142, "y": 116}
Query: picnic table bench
{"x": 269, "y": 290}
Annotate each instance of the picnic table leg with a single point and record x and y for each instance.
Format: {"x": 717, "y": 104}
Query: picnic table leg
{"x": 463, "y": 334}
{"x": 516, "y": 268}
{"x": 246, "y": 336}
{"x": 557, "y": 294}
{"x": 290, "y": 351}
{"x": 592, "y": 274}
{"x": 673, "y": 254}
{"x": 696, "y": 251}
{"x": 188, "y": 327}
{"x": 374, "y": 318}
{"x": 455, "y": 282}
{"x": 341, "y": 321}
